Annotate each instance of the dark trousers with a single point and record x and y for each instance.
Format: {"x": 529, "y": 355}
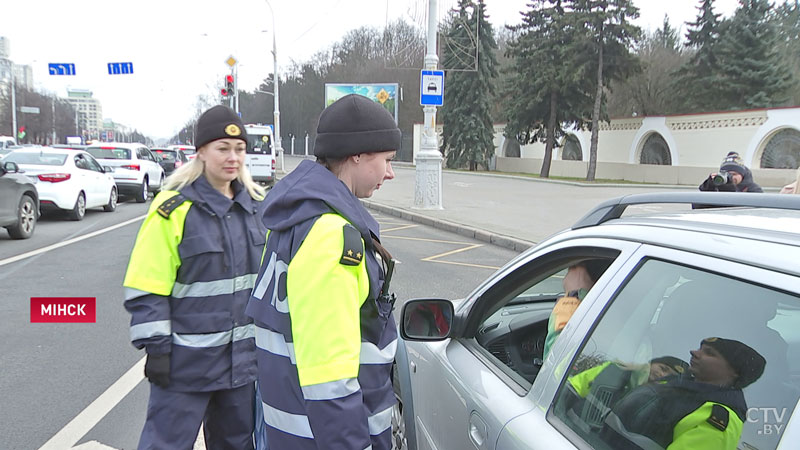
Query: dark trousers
{"x": 174, "y": 418}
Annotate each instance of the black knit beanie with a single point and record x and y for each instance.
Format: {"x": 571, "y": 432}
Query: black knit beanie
{"x": 678, "y": 365}
{"x": 355, "y": 124}
{"x": 733, "y": 163}
{"x": 219, "y": 122}
{"x": 747, "y": 363}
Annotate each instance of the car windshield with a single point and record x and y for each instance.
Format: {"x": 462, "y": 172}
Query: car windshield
{"x": 41, "y": 158}
{"x": 258, "y": 143}
{"x": 109, "y": 152}
{"x": 168, "y": 155}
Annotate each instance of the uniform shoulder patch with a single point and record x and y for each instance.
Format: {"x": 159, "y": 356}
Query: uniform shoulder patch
{"x": 172, "y": 203}
{"x": 353, "y": 250}
{"x": 719, "y": 417}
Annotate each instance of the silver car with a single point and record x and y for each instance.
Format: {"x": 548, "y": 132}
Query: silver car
{"x": 682, "y": 286}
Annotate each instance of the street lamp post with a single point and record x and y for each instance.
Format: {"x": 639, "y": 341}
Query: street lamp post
{"x": 13, "y": 107}
{"x": 428, "y": 182}
{"x": 276, "y": 88}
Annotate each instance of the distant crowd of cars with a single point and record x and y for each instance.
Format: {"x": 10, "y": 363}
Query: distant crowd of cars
{"x": 72, "y": 178}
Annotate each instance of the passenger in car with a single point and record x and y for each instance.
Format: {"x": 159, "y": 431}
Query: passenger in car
{"x": 579, "y": 279}
{"x": 702, "y": 408}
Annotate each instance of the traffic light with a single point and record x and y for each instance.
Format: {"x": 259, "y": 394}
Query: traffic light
{"x": 228, "y": 89}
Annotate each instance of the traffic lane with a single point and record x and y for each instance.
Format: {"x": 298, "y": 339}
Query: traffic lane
{"x": 84, "y": 360}
{"x": 54, "y": 228}
{"x": 52, "y": 371}
{"x": 435, "y": 263}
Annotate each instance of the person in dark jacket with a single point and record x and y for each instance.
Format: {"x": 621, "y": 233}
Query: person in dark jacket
{"x": 325, "y": 335}
{"x": 704, "y": 408}
{"x": 190, "y": 274}
{"x": 733, "y": 176}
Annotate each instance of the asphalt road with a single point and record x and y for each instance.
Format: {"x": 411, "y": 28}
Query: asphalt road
{"x": 52, "y": 372}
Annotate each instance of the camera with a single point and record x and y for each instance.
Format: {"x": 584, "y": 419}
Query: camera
{"x": 722, "y": 178}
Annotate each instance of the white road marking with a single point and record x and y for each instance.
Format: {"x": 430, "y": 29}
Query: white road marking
{"x": 94, "y": 413}
{"x": 93, "y": 445}
{"x": 68, "y": 242}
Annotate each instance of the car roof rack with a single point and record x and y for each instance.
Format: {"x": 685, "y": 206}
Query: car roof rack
{"x": 613, "y": 209}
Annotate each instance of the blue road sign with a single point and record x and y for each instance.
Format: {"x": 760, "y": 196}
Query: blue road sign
{"x": 431, "y": 88}
{"x": 61, "y": 69}
{"x": 120, "y": 68}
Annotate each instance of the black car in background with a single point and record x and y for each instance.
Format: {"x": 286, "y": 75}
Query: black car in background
{"x": 170, "y": 159}
{"x": 19, "y": 202}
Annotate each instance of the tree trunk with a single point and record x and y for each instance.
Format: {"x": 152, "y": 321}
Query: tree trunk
{"x": 550, "y": 138}
{"x": 596, "y": 118}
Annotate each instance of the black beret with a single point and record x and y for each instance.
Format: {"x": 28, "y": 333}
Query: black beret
{"x": 219, "y": 122}
{"x": 355, "y": 124}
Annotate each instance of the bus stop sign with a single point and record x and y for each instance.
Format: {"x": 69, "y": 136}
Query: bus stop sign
{"x": 431, "y": 89}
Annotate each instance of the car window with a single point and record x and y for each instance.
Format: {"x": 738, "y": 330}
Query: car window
{"x": 93, "y": 164}
{"x": 40, "y": 158}
{"x": 109, "y": 152}
{"x": 683, "y": 355}
{"x": 81, "y": 163}
{"x": 166, "y": 155}
{"x": 258, "y": 144}
{"x": 515, "y": 328}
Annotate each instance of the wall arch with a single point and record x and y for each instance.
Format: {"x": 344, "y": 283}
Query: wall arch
{"x": 649, "y": 126}
{"x": 777, "y": 120}
{"x": 571, "y": 148}
{"x": 654, "y": 151}
{"x": 779, "y": 150}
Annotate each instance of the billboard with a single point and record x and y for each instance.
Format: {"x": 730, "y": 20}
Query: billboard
{"x": 383, "y": 93}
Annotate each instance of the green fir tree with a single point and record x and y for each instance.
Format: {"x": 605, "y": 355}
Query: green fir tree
{"x": 470, "y": 66}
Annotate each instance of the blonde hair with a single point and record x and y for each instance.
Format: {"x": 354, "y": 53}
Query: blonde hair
{"x": 190, "y": 172}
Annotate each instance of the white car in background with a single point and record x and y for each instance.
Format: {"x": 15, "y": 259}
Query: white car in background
{"x": 136, "y": 170}
{"x": 67, "y": 180}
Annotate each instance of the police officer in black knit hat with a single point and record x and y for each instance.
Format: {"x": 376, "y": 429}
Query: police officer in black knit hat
{"x": 188, "y": 281}
{"x": 325, "y": 335}
{"x": 701, "y": 408}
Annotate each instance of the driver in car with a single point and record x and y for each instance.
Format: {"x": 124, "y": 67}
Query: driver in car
{"x": 579, "y": 279}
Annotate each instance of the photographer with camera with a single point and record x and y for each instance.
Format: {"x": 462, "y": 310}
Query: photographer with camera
{"x": 733, "y": 176}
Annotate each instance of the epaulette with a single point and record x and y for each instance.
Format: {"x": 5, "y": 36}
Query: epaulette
{"x": 353, "y": 251}
{"x": 719, "y": 417}
{"x": 172, "y": 203}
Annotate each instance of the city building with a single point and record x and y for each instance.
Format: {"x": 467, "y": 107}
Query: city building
{"x": 89, "y": 110}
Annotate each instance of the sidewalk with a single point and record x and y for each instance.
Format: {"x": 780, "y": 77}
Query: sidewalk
{"x": 509, "y": 211}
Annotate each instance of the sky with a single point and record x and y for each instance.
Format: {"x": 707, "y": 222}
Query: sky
{"x": 179, "y": 48}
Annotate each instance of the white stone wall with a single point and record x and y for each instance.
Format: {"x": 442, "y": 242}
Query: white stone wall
{"x": 697, "y": 144}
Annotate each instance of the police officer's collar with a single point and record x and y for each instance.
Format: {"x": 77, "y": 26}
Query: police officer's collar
{"x": 201, "y": 191}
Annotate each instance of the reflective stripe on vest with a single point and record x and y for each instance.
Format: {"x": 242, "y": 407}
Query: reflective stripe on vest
{"x": 380, "y": 421}
{"x": 214, "y": 339}
{"x": 274, "y": 342}
{"x": 212, "y": 288}
{"x": 151, "y": 329}
{"x": 294, "y": 424}
{"x": 131, "y": 293}
{"x": 331, "y": 390}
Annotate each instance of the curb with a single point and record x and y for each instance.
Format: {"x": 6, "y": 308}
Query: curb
{"x": 500, "y": 240}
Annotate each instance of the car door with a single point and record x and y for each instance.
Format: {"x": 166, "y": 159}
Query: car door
{"x": 9, "y": 197}
{"x": 103, "y": 181}
{"x": 154, "y": 170}
{"x": 88, "y": 181}
{"x": 665, "y": 303}
{"x": 466, "y": 388}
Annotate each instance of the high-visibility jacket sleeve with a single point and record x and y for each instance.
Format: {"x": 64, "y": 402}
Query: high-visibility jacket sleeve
{"x": 151, "y": 274}
{"x": 582, "y": 382}
{"x": 325, "y": 299}
{"x": 695, "y": 431}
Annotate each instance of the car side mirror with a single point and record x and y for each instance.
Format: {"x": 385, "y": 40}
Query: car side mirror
{"x": 108, "y": 169}
{"x": 10, "y": 167}
{"x": 426, "y": 319}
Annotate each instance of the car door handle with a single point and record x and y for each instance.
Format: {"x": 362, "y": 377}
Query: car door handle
{"x": 477, "y": 430}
